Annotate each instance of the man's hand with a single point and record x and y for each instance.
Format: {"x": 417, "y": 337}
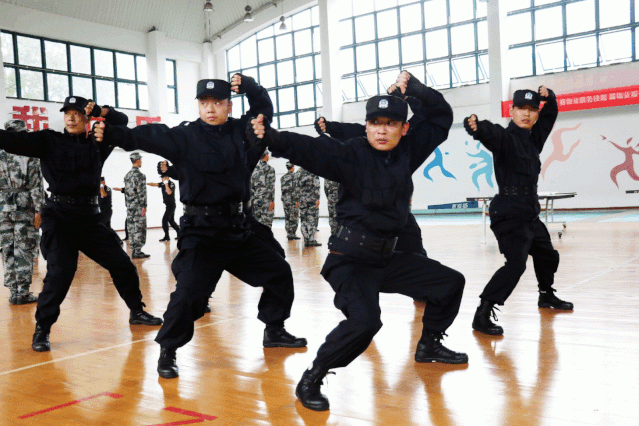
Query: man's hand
{"x": 37, "y": 220}
{"x": 543, "y": 92}
{"x": 320, "y": 125}
{"x": 117, "y": 189}
{"x": 317, "y": 203}
{"x": 242, "y": 83}
{"x": 150, "y": 184}
{"x": 98, "y": 131}
{"x": 143, "y": 212}
{"x": 401, "y": 84}
{"x": 271, "y": 206}
{"x": 236, "y": 82}
{"x": 258, "y": 126}
{"x": 470, "y": 124}
{"x": 92, "y": 110}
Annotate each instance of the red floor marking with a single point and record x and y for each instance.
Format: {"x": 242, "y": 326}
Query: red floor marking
{"x": 112, "y": 395}
{"x": 200, "y": 417}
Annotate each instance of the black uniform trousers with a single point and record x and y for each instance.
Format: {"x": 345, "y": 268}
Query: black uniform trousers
{"x": 105, "y": 217}
{"x": 198, "y": 268}
{"x": 517, "y": 239}
{"x": 169, "y": 219}
{"x": 61, "y": 242}
{"x": 358, "y": 285}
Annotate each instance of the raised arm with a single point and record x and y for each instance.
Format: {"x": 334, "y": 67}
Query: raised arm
{"x": 258, "y": 98}
{"x": 489, "y": 134}
{"x": 28, "y": 144}
{"x": 547, "y": 117}
{"x": 340, "y": 131}
{"x": 154, "y": 138}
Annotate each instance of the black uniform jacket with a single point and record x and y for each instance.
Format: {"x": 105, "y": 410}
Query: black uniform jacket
{"x": 516, "y": 160}
{"x": 211, "y": 163}
{"x": 71, "y": 164}
{"x": 375, "y": 186}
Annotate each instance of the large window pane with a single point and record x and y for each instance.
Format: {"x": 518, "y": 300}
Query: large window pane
{"x": 348, "y": 89}
{"x": 302, "y": 20}
{"x": 103, "y": 63}
{"x": 520, "y": 61}
{"x": 7, "y": 48}
{"x": 465, "y": 69}
{"x": 346, "y": 32}
{"x": 305, "y": 96}
{"x": 304, "y": 69}
{"x": 141, "y": 67}
{"x": 410, "y": 18}
{"x": 126, "y": 96}
{"x": 105, "y": 92}
{"x": 56, "y": 56}
{"x": 306, "y": 118}
{"x": 267, "y": 76}
{"x": 248, "y": 52}
{"x": 613, "y": 13}
{"x": 435, "y": 13}
{"x": 284, "y": 46}
{"x": 482, "y": 9}
{"x": 388, "y": 53}
{"x": 436, "y": 44}
{"x": 29, "y": 52}
{"x": 439, "y": 74}
{"x": 366, "y": 58}
{"x": 519, "y": 28}
{"x": 58, "y": 87}
{"x": 367, "y": 85}
{"x": 251, "y": 72}
{"x": 387, "y": 78}
{"x": 31, "y": 84}
{"x": 233, "y": 58}
{"x": 80, "y": 59}
{"x": 265, "y": 50}
{"x": 287, "y": 121}
{"x": 462, "y": 38}
{"x": 143, "y": 93}
{"x": 417, "y": 71}
{"x": 516, "y": 5}
{"x": 482, "y": 35}
{"x": 170, "y": 73}
{"x": 346, "y": 61}
{"x": 126, "y": 66}
{"x": 580, "y": 16}
{"x": 315, "y": 19}
{"x": 317, "y": 41}
{"x": 548, "y": 23}
{"x": 387, "y": 23}
{"x": 266, "y": 32}
{"x": 303, "y": 42}
{"x": 363, "y": 6}
{"x": 461, "y": 10}
{"x": 550, "y": 57}
{"x": 286, "y": 99}
{"x": 412, "y": 48}
{"x": 364, "y": 28}
{"x": 615, "y": 47}
{"x": 82, "y": 87}
{"x": 170, "y": 100}
{"x": 285, "y": 73}
{"x": 10, "y": 82}
{"x": 484, "y": 69}
{"x": 236, "y": 108}
{"x": 582, "y": 52}
{"x": 318, "y": 95}
{"x": 318, "y": 66}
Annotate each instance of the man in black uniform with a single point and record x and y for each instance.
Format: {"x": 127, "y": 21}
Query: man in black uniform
{"x": 168, "y": 197}
{"x": 105, "y": 203}
{"x": 514, "y": 212}
{"x": 211, "y": 157}
{"x": 373, "y": 207}
{"x": 72, "y": 163}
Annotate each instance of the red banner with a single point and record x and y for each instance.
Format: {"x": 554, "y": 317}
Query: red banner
{"x": 139, "y": 120}
{"x": 606, "y": 98}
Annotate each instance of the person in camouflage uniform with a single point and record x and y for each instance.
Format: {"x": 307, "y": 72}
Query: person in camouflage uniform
{"x": 330, "y": 189}
{"x": 21, "y": 199}
{"x": 135, "y": 199}
{"x": 263, "y": 191}
{"x": 309, "y": 190}
{"x": 290, "y": 201}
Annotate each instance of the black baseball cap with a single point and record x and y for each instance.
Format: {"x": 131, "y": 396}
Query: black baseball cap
{"x": 526, "y": 97}
{"x": 289, "y": 164}
{"x": 75, "y": 102}
{"x": 386, "y": 106}
{"x": 218, "y": 89}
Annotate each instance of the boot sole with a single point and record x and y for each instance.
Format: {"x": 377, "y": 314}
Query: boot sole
{"x": 41, "y": 349}
{"x": 548, "y": 305}
{"x": 284, "y": 345}
{"x": 312, "y": 407}
{"x": 168, "y": 375}
{"x": 143, "y": 323}
{"x": 443, "y": 360}
{"x": 488, "y": 332}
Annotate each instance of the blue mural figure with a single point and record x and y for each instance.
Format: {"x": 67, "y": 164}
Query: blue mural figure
{"x": 437, "y": 162}
{"x": 486, "y": 163}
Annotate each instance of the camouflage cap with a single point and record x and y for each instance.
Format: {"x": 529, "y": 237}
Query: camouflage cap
{"x": 15, "y": 126}
{"x": 135, "y": 156}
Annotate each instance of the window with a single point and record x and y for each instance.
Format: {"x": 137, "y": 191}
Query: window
{"x": 287, "y": 64}
{"x": 50, "y": 70}
{"x": 561, "y": 35}
{"x": 441, "y": 42}
{"x": 171, "y": 86}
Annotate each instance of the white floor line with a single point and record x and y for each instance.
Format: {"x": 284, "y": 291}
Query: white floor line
{"x": 612, "y": 268}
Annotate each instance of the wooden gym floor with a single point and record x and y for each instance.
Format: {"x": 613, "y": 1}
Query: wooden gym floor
{"x": 550, "y": 368}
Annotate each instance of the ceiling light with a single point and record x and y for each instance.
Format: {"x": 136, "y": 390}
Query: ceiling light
{"x": 283, "y": 26}
{"x": 248, "y": 17}
{"x": 208, "y": 7}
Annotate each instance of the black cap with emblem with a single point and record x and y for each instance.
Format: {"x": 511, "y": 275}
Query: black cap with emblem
{"x": 526, "y": 97}
{"x": 386, "y": 106}
{"x": 218, "y": 89}
{"x": 75, "y": 102}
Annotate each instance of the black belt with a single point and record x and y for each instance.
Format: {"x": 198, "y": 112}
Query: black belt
{"x": 518, "y": 190}
{"x": 228, "y": 210}
{"x": 76, "y": 201}
{"x": 378, "y": 245}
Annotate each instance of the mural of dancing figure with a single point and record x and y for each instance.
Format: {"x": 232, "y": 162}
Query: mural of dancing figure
{"x": 557, "y": 153}
{"x": 437, "y": 162}
{"x": 628, "y": 165}
{"x": 486, "y": 163}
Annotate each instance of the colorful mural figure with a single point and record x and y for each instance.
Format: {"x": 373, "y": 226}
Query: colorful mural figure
{"x": 558, "y": 149}
{"x": 484, "y": 166}
{"x": 437, "y": 162}
{"x": 628, "y": 165}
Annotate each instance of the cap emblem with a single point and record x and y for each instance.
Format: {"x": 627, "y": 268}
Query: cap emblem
{"x": 71, "y": 100}
{"x": 210, "y": 85}
{"x": 383, "y": 104}
{"x": 528, "y": 96}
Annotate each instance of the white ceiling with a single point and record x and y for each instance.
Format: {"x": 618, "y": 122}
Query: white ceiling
{"x": 178, "y": 19}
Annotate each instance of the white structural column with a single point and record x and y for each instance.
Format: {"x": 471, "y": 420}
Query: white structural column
{"x": 330, "y": 13}
{"x": 156, "y": 74}
{"x": 497, "y": 58}
{"x": 207, "y": 67}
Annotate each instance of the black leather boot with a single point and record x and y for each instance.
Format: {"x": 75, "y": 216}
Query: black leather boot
{"x": 308, "y": 389}
{"x": 277, "y": 336}
{"x": 430, "y": 349}
{"x": 167, "y": 366}
{"x": 547, "y": 299}
{"x": 139, "y": 316}
{"x": 40, "y": 342}
{"x": 482, "y": 322}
